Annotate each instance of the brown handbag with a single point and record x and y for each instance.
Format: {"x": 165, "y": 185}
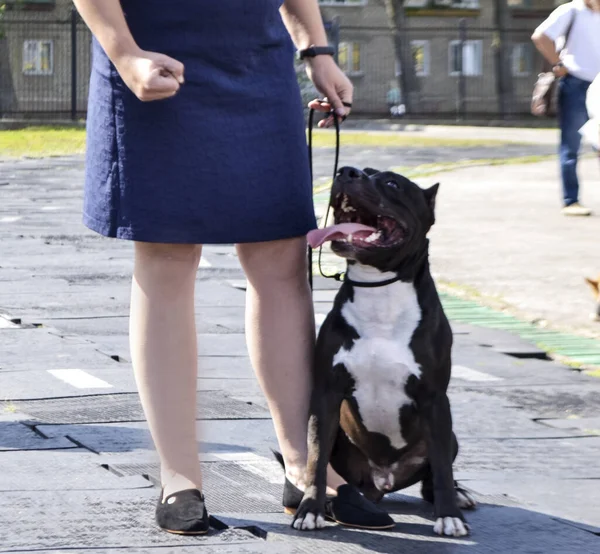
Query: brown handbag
{"x": 544, "y": 100}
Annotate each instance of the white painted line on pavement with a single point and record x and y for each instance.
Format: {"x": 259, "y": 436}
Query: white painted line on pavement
{"x": 266, "y": 468}
{"x": 10, "y": 218}
{"x": 79, "y": 378}
{"x": 468, "y": 374}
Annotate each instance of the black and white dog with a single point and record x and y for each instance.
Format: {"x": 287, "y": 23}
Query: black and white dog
{"x": 380, "y": 413}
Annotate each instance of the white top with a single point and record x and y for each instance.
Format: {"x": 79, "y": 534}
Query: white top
{"x": 591, "y": 130}
{"x": 581, "y": 55}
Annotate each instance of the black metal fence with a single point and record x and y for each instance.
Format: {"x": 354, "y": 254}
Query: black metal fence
{"x": 461, "y": 70}
{"x": 44, "y": 68}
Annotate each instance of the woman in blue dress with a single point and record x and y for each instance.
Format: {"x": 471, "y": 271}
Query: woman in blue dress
{"x": 196, "y": 136}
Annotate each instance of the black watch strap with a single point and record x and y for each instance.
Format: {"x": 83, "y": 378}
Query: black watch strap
{"x": 313, "y": 51}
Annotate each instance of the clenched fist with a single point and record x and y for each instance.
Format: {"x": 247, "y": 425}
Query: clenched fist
{"x": 149, "y": 75}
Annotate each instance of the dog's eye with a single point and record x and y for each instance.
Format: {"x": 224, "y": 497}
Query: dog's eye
{"x": 392, "y": 184}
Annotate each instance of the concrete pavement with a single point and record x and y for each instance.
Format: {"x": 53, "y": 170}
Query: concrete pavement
{"x": 78, "y": 468}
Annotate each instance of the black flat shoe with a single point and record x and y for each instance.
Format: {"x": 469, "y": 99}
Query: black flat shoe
{"x": 352, "y": 509}
{"x": 183, "y": 513}
{"x": 348, "y": 508}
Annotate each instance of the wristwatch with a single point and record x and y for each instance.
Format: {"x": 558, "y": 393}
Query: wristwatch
{"x": 313, "y": 51}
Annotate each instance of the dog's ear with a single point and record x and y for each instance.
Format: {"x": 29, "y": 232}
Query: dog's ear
{"x": 430, "y": 195}
{"x": 370, "y": 171}
{"x": 594, "y": 285}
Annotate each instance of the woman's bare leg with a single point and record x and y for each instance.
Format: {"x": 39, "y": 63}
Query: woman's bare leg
{"x": 164, "y": 354}
{"x": 280, "y": 332}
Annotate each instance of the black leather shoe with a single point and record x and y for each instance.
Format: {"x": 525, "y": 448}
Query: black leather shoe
{"x": 348, "y": 508}
{"x": 183, "y": 513}
{"x": 352, "y": 509}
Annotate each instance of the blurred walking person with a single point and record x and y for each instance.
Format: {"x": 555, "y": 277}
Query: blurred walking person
{"x": 577, "y": 65}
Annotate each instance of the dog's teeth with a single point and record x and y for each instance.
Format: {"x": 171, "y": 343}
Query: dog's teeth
{"x": 349, "y": 238}
{"x": 373, "y": 237}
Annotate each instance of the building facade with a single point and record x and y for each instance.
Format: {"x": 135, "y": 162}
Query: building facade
{"x": 367, "y": 52}
{"x": 45, "y": 54}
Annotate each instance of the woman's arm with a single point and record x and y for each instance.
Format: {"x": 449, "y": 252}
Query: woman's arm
{"x": 305, "y": 25}
{"x": 106, "y": 21}
{"x": 149, "y": 75}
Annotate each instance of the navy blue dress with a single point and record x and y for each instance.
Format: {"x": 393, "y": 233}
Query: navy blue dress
{"x": 225, "y": 160}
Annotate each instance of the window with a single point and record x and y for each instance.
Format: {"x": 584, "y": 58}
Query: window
{"x": 457, "y": 4}
{"x": 471, "y": 58}
{"x": 38, "y": 57}
{"x": 420, "y": 53}
{"x": 522, "y": 59}
{"x": 349, "y": 58}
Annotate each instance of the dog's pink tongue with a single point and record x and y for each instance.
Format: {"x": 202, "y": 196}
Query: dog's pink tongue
{"x": 318, "y": 236}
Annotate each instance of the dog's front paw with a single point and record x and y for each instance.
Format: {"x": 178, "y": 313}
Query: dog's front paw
{"x": 451, "y": 527}
{"x": 309, "y": 515}
{"x": 465, "y": 499}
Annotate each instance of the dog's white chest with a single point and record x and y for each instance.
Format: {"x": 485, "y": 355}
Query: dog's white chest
{"x": 381, "y": 360}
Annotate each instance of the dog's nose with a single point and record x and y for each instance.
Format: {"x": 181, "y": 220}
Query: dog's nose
{"x": 349, "y": 173}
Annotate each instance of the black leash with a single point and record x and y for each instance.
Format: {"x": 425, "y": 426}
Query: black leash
{"x": 340, "y": 276}
{"x": 311, "y": 118}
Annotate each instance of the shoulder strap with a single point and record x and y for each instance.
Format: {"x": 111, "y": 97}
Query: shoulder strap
{"x": 569, "y": 28}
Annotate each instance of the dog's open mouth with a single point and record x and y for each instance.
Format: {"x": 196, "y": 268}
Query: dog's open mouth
{"x": 358, "y": 226}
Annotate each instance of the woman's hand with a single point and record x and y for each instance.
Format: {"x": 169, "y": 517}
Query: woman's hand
{"x": 149, "y": 75}
{"x": 560, "y": 70}
{"x": 331, "y": 81}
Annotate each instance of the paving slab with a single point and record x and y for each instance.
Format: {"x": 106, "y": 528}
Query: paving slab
{"x": 576, "y": 457}
{"x": 482, "y": 416}
{"x": 61, "y": 470}
{"x": 590, "y": 425}
{"x": 254, "y": 437}
{"x": 510, "y": 369}
{"x": 234, "y": 376}
{"x": 126, "y": 407}
{"x": 209, "y": 320}
{"x": 16, "y": 435}
{"x": 83, "y": 519}
{"x": 104, "y": 298}
{"x": 495, "y": 529}
{"x": 25, "y": 349}
{"x": 557, "y": 401}
{"x": 210, "y": 344}
{"x": 552, "y": 495}
{"x": 503, "y": 342}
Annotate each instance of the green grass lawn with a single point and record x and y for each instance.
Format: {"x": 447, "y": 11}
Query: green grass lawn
{"x": 40, "y": 142}
{"x": 324, "y": 138}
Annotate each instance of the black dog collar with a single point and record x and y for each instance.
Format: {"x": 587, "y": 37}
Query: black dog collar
{"x": 368, "y": 284}
{"x": 418, "y": 262}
